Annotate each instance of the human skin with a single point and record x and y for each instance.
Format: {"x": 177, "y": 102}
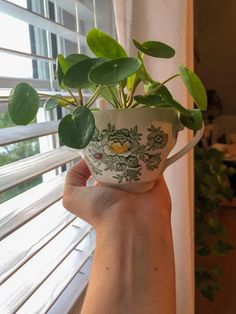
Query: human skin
{"x": 133, "y": 268}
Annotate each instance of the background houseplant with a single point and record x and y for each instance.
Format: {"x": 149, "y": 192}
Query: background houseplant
{"x": 113, "y": 76}
{"x": 211, "y": 188}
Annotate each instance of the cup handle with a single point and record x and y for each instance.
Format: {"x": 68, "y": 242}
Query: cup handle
{"x": 185, "y": 149}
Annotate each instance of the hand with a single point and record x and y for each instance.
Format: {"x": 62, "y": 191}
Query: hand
{"x": 98, "y": 203}
{"x": 133, "y": 264}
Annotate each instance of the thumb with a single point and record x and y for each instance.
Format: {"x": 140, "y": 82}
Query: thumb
{"x": 78, "y": 175}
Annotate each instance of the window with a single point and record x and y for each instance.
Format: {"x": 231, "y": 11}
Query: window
{"x": 45, "y": 251}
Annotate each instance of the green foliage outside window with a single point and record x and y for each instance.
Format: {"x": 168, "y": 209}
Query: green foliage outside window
{"x": 14, "y": 152}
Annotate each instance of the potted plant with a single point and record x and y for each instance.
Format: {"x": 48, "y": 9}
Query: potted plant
{"x": 131, "y": 142}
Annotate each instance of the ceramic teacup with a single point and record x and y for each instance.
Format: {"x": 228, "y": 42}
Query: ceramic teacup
{"x": 129, "y": 148}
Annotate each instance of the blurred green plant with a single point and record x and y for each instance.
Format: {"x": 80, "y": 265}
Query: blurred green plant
{"x": 211, "y": 188}
{"x": 14, "y": 152}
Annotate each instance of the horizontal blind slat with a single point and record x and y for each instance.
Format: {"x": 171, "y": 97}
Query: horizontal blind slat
{"x": 56, "y": 283}
{"x": 31, "y": 167}
{"x": 20, "y": 133}
{"x": 41, "y": 229}
{"x": 23, "y": 283}
{"x": 27, "y": 55}
{"x": 70, "y": 295}
{"x": 21, "y": 208}
{"x": 74, "y": 292}
{"x": 38, "y": 20}
{"x": 10, "y": 82}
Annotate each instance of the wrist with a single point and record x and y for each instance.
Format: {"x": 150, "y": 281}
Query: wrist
{"x": 125, "y": 220}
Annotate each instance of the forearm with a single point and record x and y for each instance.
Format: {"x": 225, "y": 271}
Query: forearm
{"x": 133, "y": 267}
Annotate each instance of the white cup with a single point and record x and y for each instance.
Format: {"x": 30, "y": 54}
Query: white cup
{"x": 130, "y": 147}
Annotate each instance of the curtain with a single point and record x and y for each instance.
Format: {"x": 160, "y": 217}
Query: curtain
{"x": 171, "y": 22}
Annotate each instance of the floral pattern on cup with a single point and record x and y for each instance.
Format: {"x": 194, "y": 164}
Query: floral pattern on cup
{"x": 122, "y": 152}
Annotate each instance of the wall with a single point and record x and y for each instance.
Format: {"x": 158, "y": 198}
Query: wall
{"x": 215, "y": 38}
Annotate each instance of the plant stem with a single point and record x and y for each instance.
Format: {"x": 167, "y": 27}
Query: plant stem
{"x": 120, "y": 99}
{"x": 113, "y": 96}
{"x": 80, "y": 97}
{"x": 161, "y": 84}
{"x": 57, "y": 97}
{"x": 72, "y": 95}
{"x": 69, "y": 108}
{"x": 122, "y": 94}
{"x": 94, "y": 96}
{"x": 131, "y": 95}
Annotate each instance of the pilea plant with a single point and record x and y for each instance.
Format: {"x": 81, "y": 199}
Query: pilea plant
{"x": 113, "y": 76}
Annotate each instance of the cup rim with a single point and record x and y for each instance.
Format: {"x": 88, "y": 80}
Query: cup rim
{"x": 136, "y": 109}
{"x": 129, "y": 110}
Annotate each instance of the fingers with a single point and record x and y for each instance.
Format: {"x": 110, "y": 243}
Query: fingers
{"x": 78, "y": 174}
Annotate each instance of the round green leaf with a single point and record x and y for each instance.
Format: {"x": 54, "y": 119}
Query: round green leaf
{"x": 103, "y": 45}
{"x": 77, "y": 75}
{"x": 194, "y": 121}
{"x": 194, "y": 86}
{"x": 155, "y": 49}
{"x": 114, "y": 71}
{"x": 73, "y": 59}
{"x": 76, "y": 129}
{"x": 63, "y": 64}
{"x": 23, "y": 104}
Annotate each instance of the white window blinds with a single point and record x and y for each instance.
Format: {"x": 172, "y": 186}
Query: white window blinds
{"x": 45, "y": 251}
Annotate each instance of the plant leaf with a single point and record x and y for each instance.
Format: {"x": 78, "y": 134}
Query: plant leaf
{"x": 194, "y": 122}
{"x": 136, "y": 78}
{"x": 150, "y": 100}
{"x": 76, "y": 129}
{"x": 221, "y": 248}
{"x": 63, "y": 64}
{"x": 162, "y": 91}
{"x": 23, "y": 104}
{"x": 73, "y": 59}
{"x": 133, "y": 81}
{"x": 194, "y": 86}
{"x": 155, "y": 49}
{"x": 103, "y": 45}
{"x": 208, "y": 292}
{"x": 50, "y": 103}
{"x": 77, "y": 75}
{"x": 105, "y": 93}
{"x": 114, "y": 71}
{"x": 204, "y": 251}
{"x": 178, "y": 106}
{"x": 141, "y": 75}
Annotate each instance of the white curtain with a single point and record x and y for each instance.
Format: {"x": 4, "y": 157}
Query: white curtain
{"x": 171, "y": 22}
